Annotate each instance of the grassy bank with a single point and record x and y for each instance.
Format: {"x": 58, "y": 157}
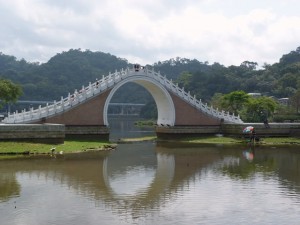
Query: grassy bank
{"x": 69, "y": 146}
{"x": 138, "y": 139}
{"x": 230, "y": 140}
{"x": 72, "y": 146}
{"x": 222, "y": 140}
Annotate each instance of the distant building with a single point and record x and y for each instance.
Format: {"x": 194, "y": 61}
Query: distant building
{"x": 283, "y": 101}
{"x": 255, "y": 95}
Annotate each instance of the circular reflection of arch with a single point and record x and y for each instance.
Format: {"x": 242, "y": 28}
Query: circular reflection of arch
{"x": 145, "y": 196}
{"x": 162, "y": 98}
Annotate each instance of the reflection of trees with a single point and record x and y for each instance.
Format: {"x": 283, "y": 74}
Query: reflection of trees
{"x": 89, "y": 173}
{"x": 247, "y": 168}
{"x": 9, "y": 187}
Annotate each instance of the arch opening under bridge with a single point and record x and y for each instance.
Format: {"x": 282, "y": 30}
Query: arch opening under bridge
{"x": 163, "y": 100}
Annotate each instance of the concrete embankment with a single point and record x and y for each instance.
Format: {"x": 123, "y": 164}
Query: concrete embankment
{"x": 274, "y": 129}
{"x": 49, "y": 133}
{"x": 233, "y": 130}
{"x": 56, "y": 133}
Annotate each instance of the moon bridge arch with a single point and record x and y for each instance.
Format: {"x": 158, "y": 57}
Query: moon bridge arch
{"x": 162, "y": 98}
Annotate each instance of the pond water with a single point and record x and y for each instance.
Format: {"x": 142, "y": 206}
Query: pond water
{"x": 154, "y": 183}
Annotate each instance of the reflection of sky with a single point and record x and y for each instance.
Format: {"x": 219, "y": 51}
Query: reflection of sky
{"x": 209, "y": 197}
{"x": 217, "y": 199}
{"x": 132, "y": 181}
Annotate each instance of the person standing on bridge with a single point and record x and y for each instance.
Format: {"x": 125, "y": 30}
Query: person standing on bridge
{"x": 136, "y": 67}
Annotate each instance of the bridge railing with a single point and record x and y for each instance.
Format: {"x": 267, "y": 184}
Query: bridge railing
{"x": 70, "y": 101}
{"x": 102, "y": 85}
{"x": 209, "y": 110}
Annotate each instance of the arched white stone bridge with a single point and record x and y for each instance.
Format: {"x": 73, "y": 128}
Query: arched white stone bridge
{"x": 88, "y": 107}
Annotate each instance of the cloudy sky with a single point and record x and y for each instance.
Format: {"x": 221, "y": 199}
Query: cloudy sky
{"x": 147, "y": 31}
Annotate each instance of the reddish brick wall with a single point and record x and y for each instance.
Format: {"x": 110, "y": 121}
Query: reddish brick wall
{"x": 91, "y": 113}
{"x": 187, "y": 115}
{"x": 88, "y": 113}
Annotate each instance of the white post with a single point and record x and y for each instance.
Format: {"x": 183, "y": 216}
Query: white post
{"x": 47, "y": 109}
{"x": 62, "y": 103}
{"x": 54, "y": 106}
{"x": 31, "y": 112}
{"x": 69, "y": 98}
{"x": 23, "y": 115}
{"x": 90, "y": 88}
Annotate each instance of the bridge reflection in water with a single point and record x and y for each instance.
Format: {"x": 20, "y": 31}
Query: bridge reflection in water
{"x": 131, "y": 181}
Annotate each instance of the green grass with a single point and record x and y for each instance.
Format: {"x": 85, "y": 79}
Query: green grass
{"x": 215, "y": 140}
{"x": 139, "y": 139}
{"x": 69, "y": 146}
{"x": 280, "y": 140}
{"x": 145, "y": 123}
{"x": 230, "y": 140}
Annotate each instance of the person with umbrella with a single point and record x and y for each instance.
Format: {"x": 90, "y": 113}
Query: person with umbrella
{"x": 250, "y": 130}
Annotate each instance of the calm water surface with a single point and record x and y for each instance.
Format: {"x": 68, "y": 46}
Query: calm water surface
{"x": 154, "y": 183}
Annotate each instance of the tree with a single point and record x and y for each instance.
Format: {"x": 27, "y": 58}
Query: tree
{"x": 295, "y": 100}
{"x": 249, "y": 65}
{"x": 258, "y": 109}
{"x": 216, "y": 100}
{"x": 9, "y": 92}
{"x": 234, "y": 101}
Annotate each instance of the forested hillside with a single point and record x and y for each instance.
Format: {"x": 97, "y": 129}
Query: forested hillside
{"x": 69, "y": 70}
{"x": 280, "y": 80}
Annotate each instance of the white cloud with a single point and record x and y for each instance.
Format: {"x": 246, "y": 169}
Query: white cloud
{"x": 148, "y": 31}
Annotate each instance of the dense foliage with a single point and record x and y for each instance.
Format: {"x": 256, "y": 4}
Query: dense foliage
{"x": 279, "y": 80}
{"x": 9, "y": 92}
{"x": 69, "y": 70}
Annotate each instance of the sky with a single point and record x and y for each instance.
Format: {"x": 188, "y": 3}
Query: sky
{"x": 147, "y": 31}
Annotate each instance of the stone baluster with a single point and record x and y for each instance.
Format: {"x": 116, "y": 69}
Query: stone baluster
{"x": 90, "y": 89}
{"x": 62, "y": 103}
{"x": 69, "y": 98}
{"x": 47, "y": 109}
{"x": 194, "y": 99}
{"x": 23, "y": 115}
{"x": 164, "y": 80}
{"x": 103, "y": 80}
{"x": 54, "y": 107}
{"x": 31, "y": 112}
{"x": 83, "y": 92}
{"x": 40, "y": 111}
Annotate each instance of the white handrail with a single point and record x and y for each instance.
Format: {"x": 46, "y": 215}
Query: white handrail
{"x": 106, "y": 82}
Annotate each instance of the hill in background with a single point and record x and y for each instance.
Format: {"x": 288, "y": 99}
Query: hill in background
{"x": 72, "y": 69}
